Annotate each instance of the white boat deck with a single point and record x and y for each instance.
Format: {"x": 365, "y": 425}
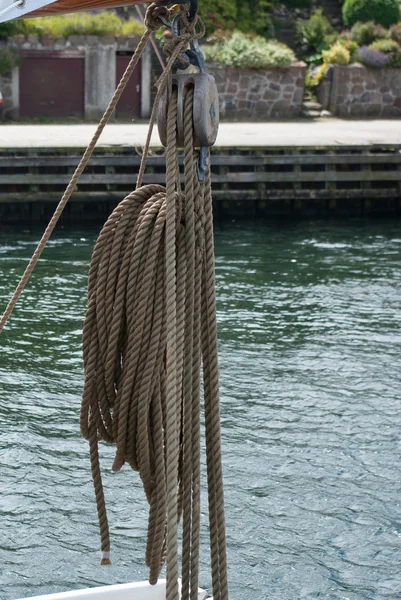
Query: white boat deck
{"x": 126, "y": 591}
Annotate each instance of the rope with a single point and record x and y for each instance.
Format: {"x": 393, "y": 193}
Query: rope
{"x": 150, "y": 325}
{"x": 151, "y": 317}
{"x": 152, "y": 22}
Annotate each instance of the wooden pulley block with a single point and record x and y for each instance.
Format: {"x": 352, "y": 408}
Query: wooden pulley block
{"x": 205, "y": 109}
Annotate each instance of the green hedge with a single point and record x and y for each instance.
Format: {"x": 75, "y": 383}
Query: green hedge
{"x": 384, "y": 12}
{"x": 102, "y": 23}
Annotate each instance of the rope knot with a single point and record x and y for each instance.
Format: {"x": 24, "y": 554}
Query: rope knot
{"x": 187, "y": 33}
{"x": 153, "y": 14}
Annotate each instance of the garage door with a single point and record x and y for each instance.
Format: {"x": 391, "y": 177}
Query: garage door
{"x": 52, "y": 85}
{"x": 129, "y": 105}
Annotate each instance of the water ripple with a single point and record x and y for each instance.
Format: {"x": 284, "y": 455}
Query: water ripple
{"x": 309, "y": 335}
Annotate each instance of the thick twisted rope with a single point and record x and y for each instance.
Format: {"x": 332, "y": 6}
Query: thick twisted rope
{"x": 151, "y": 317}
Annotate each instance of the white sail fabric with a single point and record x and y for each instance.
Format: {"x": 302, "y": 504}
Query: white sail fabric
{"x": 14, "y": 9}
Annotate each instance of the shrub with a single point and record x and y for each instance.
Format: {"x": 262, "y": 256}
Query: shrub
{"x": 247, "y": 51}
{"x": 349, "y": 44}
{"x": 245, "y": 15}
{"x": 366, "y": 33}
{"x": 312, "y": 80}
{"x": 9, "y": 58}
{"x": 395, "y": 33}
{"x": 337, "y": 55}
{"x": 253, "y": 16}
{"x": 384, "y": 12}
{"x": 372, "y": 58}
{"x": 102, "y": 23}
{"x": 391, "y": 49}
{"x": 315, "y": 32}
{"x": 10, "y": 28}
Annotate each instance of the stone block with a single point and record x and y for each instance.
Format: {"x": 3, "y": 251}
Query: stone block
{"x": 273, "y": 76}
{"x": 262, "y": 109}
{"x": 366, "y": 98}
{"x": 299, "y": 96}
{"x": 255, "y": 85}
{"x": 271, "y": 95}
{"x": 287, "y": 78}
{"x": 253, "y": 97}
{"x": 357, "y": 90}
{"x": 243, "y": 83}
{"x": 280, "y": 109}
{"x": 232, "y": 87}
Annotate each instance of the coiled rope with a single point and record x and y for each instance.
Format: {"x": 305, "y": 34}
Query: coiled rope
{"x": 150, "y": 325}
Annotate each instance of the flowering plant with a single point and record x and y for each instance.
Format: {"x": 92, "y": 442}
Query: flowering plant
{"x": 372, "y": 58}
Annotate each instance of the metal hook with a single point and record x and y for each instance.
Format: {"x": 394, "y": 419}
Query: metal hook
{"x": 193, "y": 9}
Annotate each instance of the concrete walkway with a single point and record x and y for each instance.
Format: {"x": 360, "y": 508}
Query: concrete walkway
{"x": 324, "y": 132}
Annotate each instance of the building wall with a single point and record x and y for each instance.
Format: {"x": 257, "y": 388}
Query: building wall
{"x": 100, "y": 58}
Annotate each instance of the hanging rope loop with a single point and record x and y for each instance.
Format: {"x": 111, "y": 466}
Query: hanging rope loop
{"x": 150, "y": 321}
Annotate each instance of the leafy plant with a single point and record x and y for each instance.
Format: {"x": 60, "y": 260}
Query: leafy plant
{"x": 254, "y": 16}
{"x": 391, "y": 49}
{"x": 248, "y": 51}
{"x": 313, "y": 80}
{"x": 337, "y": 55}
{"x": 349, "y": 44}
{"x": 102, "y": 23}
{"x": 372, "y": 58}
{"x": 9, "y": 58}
{"x": 245, "y": 15}
{"x": 395, "y": 33}
{"x": 132, "y": 27}
{"x": 384, "y": 12}
{"x": 10, "y": 28}
{"x": 365, "y": 34}
{"x": 316, "y": 33}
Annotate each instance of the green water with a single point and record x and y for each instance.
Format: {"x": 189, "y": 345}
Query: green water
{"x": 309, "y": 327}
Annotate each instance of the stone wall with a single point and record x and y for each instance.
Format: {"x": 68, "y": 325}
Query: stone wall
{"x": 356, "y": 91}
{"x": 100, "y": 69}
{"x": 249, "y": 94}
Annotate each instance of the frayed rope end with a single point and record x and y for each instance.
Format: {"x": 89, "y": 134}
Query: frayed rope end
{"x": 105, "y": 560}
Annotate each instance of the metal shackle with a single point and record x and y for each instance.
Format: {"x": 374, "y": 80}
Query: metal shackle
{"x": 205, "y": 109}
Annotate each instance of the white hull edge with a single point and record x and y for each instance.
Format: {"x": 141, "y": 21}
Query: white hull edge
{"x": 126, "y": 591}
{"x": 17, "y": 12}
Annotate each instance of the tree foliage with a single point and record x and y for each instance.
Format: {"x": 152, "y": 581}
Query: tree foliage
{"x": 383, "y": 12}
{"x": 244, "y": 15}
